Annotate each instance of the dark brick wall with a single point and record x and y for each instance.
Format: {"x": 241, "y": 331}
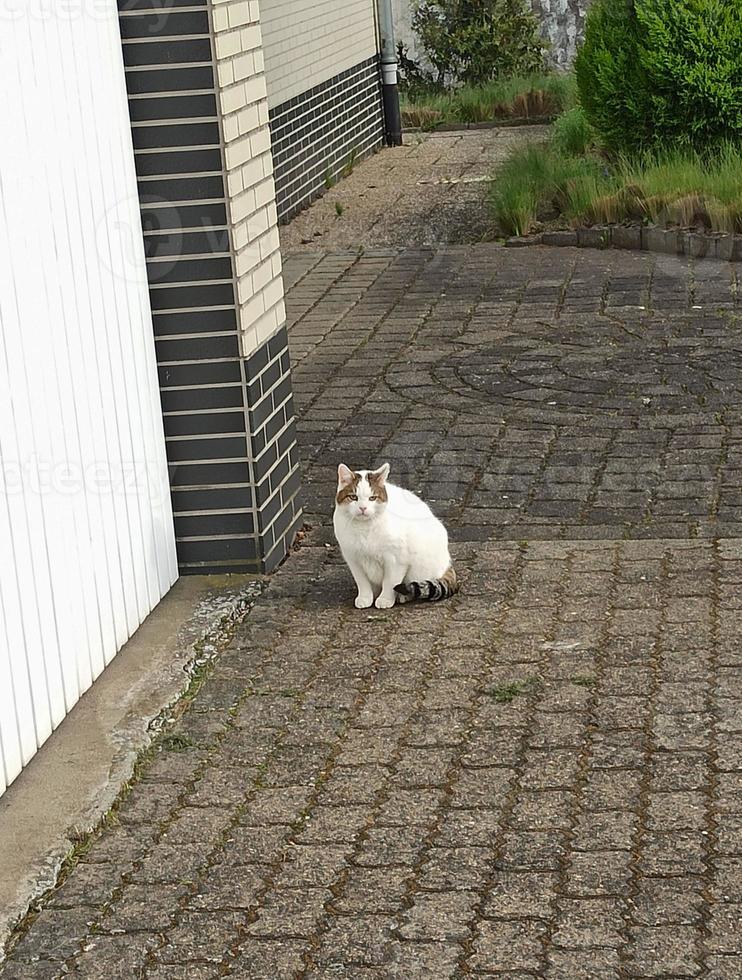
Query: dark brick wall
{"x": 228, "y": 420}
{"x": 316, "y": 134}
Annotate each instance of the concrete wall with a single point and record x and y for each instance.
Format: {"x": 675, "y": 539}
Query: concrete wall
{"x": 403, "y": 30}
{"x": 563, "y": 24}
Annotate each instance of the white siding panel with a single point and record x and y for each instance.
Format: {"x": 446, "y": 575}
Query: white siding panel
{"x": 307, "y": 42}
{"x": 86, "y": 535}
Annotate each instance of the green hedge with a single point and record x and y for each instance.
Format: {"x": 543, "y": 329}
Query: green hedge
{"x": 662, "y": 73}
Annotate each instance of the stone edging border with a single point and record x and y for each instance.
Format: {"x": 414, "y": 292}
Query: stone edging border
{"x": 512, "y": 122}
{"x": 722, "y": 246}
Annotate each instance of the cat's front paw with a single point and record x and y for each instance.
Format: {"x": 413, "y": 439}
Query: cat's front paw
{"x": 364, "y": 601}
{"x": 385, "y": 603}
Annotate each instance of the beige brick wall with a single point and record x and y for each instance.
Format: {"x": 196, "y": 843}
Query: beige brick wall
{"x": 249, "y": 169}
{"x": 309, "y": 41}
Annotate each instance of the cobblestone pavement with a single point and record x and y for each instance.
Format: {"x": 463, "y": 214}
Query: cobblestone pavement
{"x": 538, "y": 778}
{"x": 431, "y": 191}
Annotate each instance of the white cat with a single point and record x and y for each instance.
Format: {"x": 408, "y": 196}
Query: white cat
{"x": 394, "y": 545}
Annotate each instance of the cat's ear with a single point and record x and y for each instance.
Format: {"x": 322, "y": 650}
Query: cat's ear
{"x": 345, "y": 476}
{"x": 381, "y": 474}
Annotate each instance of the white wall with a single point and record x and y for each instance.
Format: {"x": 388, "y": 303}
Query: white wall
{"x": 310, "y": 41}
{"x": 86, "y": 536}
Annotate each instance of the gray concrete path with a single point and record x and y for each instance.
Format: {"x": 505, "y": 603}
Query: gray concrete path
{"x": 431, "y": 191}
{"x": 538, "y": 778}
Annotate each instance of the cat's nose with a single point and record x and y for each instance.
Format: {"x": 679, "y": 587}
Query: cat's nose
{"x": 362, "y": 509}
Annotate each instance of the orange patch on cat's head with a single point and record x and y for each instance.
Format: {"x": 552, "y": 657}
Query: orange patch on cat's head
{"x": 377, "y": 482}
{"x": 347, "y": 483}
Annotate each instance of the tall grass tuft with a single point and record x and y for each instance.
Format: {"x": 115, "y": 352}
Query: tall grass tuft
{"x": 572, "y": 133}
{"x": 679, "y": 188}
{"x": 535, "y": 178}
{"x": 520, "y": 97}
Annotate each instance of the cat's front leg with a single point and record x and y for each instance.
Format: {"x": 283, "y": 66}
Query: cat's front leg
{"x": 393, "y": 575}
{"x": 365, "y": 597}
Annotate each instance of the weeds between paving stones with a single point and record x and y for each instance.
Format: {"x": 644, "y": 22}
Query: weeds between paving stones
{"x": 176, "y": 743}
{"x": 584, "y": 680}
{"x": 505, "y": 693}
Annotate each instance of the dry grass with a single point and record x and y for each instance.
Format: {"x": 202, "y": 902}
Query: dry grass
{"x": 671, "y": 190}
{"x": 527, "y": 97}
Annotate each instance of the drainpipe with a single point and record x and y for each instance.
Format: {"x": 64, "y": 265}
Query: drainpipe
{"x": 389, "y": 86}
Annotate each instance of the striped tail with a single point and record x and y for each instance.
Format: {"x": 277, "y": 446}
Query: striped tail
{"x": 431, "y": 591}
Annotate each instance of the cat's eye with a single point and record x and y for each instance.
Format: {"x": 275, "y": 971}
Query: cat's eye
{"x": 352, "y": 496}
{"x": 373, "y": 498}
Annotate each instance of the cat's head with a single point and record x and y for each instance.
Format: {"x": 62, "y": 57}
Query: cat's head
{"x": 362, "y": 494}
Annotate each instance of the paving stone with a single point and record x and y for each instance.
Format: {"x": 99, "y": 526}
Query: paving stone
{"x": 664, "y": 951}
{"x": 253, "y": 845}
{"x": 353, "y": 784}
{"x": 599, "y": 873}
{"x": 376, "y": 890}
{"x": 143, "y": 907}
{"x": 197, "y": 826}
{"x": 267, "y": 959}
{"x": 42, "y": 970}
{"x": 593, "y": 964}
{"x": 122, "y": 850}
{"x": 525, "y": 850}
{"x": 668, "y": 901}
{"x": 192, "y": 971}
{"x": 290, "y": 912}
{"x": 223, "y": 787}
{"x": 231, "y": 888}
{"x": 605, "y": 830}
{"x": 722, "y": 967}
{"x": 391, "y": 845}
{"x": 509, "y": 946}
{"x": 152, "y": 804}
{"x": 538, "y": 778}
{"x": 522, "y": 894}
{"x": 448, "y": 868}
{"x": 418, "y": 961}
{"x": 365, "y": 940}
{"x": 307, "y": 864}
{"x": 201, "y": 937}
{"x": 276, "y": 806}
{"x": 117, "y": 957}
{"x": 441, "y": 916}
{"x": 584, "y": 923}
{"x": 170, "y": 864}
{"x": 56, "y": 934}
{"x": 333, "y": 825}
{"x": 723, "y": 927}
{"x": 543, "y": 811}
{"x": 90, "y": 885}
{"x": 678, "y": 854}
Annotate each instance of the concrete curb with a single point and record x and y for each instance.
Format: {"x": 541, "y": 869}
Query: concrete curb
{"x": 72, "y": 782}
{"x": 636, "y": 238}
{"x": 519, "y": 121}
